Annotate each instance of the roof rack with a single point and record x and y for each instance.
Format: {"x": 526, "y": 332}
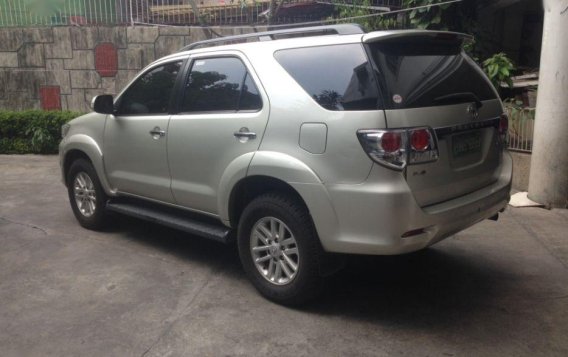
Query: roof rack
{"x": 342, "y": 29}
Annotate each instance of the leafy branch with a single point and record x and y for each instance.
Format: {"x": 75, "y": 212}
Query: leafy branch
{"x": 499, "y": 69}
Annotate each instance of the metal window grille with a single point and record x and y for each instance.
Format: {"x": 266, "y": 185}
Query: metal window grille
{"x": 163, "y": 12}
{"x": 521, "y": 129}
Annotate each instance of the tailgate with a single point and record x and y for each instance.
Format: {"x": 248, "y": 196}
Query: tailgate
{"x": 469, "y": 151}
{"x": 427, "y": 80}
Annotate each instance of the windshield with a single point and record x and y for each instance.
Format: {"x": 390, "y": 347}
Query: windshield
{"x": 423, "y": 73}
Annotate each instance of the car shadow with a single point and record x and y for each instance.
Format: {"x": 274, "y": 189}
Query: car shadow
{"x": 217, "y": 256}
{"x": 424, "y": 289}
{"x": 430, "y": 287}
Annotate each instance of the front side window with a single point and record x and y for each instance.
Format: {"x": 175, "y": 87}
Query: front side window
{"x": 336, "y": 77}
{"x": 151, "y": 93}
{"x": 220, "y": 85}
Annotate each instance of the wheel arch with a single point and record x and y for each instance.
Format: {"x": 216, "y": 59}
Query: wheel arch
{"x": 251, "y": 187}
{"x": 70, "y": 157}
{"x": 272, "y": 171}
{"x": 84, "y": 147}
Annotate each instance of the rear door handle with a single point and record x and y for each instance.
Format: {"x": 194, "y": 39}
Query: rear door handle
{"x": 244, "y": 134}
{"x": 157, "y": 133}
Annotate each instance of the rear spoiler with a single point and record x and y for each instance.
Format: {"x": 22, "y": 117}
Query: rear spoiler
{"x": 443, "y": 36}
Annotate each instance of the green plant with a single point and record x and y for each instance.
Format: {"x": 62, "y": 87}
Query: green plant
{"x": 40, "y": 140}
{"x": 430, "y": 17}
{"x": 32, "y": 131}
{"x": 499, "y": 69}
{"x": 359, "y": 8}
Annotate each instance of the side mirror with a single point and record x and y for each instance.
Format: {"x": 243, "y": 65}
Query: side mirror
{"x": 103, "y": 104}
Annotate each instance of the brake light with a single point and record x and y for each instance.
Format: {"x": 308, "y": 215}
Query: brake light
{"x": 387, "y": 147}
{"x": 504, "y": 129}
{"x": 396, "y": 148}
{"x": 420, "y": 139}
{"x": 391, "y": 141}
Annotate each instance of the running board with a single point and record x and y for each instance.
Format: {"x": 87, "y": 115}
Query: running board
{"x": 205, "y": 227}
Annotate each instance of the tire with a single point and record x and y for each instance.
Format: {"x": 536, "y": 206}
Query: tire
{"x": 86, "y": 195}
{"x": 270, "y": 266}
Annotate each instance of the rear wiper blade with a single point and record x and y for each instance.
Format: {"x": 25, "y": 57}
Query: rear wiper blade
{"x": 466, "y": 95}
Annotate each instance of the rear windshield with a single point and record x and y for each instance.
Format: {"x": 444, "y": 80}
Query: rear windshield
{"x": 423, "y": 73}
{"x": 337, "y": 77}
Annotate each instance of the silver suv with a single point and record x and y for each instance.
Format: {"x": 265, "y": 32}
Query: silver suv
{"x": 298, "y": 143}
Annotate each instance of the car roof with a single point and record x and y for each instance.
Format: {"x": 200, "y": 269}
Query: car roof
{"x": 306, "y": 36}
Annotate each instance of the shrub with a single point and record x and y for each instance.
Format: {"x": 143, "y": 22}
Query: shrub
{"x": 499, "y": 68}
{"x": 32, "y": 131}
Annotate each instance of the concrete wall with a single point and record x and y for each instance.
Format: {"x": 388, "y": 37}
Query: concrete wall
{"x": 521, "y": 170}
{"x": 64, "y": 67}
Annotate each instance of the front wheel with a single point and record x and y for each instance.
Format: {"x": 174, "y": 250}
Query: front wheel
{"x": 86, "y": 195}
{"x": 279, "y": 249}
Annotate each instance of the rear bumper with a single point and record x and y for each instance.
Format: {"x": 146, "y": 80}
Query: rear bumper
{"x": 372, "y": 217}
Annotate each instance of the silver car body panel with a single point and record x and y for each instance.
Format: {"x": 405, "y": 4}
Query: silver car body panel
{"x": 86, "y": 136}
{"x": 373, "y": 216}
{"x": 194, "y": 139}
{"x": 136, "y": 162}
{"x": 343, "y": 160}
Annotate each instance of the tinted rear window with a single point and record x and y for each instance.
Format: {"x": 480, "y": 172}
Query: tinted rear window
{"x": 423, "y": 73}
{"x": 220, "y": 84}
{"x": 337, "y": 77}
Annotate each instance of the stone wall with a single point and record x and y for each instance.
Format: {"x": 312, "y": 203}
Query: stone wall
{"x": 64, "y": 67}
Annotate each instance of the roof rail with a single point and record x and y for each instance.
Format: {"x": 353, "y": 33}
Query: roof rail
{"x": 342, "y": 29}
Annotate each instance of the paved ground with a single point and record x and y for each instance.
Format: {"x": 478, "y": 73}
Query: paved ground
{"x": 499, "y": 288}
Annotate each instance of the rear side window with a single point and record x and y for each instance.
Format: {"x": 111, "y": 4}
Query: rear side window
{"x": 220, "y": 85}
{"x": 423, "y": 73}
{"x": 250, "y": 98}
{"x": 337, "y": 77}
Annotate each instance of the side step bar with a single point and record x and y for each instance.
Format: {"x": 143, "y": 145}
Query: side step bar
{"x": 184, "y": 221}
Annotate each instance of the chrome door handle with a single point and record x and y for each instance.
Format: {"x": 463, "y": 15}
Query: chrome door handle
{"x": 157, "y": 133}
{"x": 245, "y": 134}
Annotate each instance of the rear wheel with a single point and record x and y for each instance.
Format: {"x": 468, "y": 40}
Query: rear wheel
{"x": 280, "y": 250}
{"x": 86, "y": 195}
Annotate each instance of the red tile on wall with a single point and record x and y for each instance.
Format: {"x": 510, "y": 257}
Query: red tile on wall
{"x": 106, "y": 60}
{"x": 50, "y": 97}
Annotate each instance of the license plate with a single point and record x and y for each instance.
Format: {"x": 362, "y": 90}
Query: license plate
{"x": 466, "y": 144}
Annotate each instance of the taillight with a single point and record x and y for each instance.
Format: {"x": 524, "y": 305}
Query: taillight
{"x": 420, "y": 139}
{"x": 391, "y": 141}
{"x": 395, "y": 148}
{"x": 504, "y": 129}
{"x": 423, "y": 145}
{"x": 387, "y": 147}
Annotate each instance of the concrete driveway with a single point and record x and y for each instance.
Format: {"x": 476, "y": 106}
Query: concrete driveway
{"x": 498, "y": 288}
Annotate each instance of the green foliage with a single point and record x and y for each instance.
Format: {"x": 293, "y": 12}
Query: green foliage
{"x": 362, "y": 8}
{"x": 429, "y": 17}
{"x": 499, "y": 69}
{"x": 32, "y": 131}
{"x": 426, "y": 18}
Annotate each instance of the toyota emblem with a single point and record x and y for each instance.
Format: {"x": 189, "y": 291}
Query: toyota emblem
{"x": 472, "y": 111}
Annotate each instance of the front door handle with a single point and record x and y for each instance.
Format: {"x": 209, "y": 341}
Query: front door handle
{"x": 157, "y": 133}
